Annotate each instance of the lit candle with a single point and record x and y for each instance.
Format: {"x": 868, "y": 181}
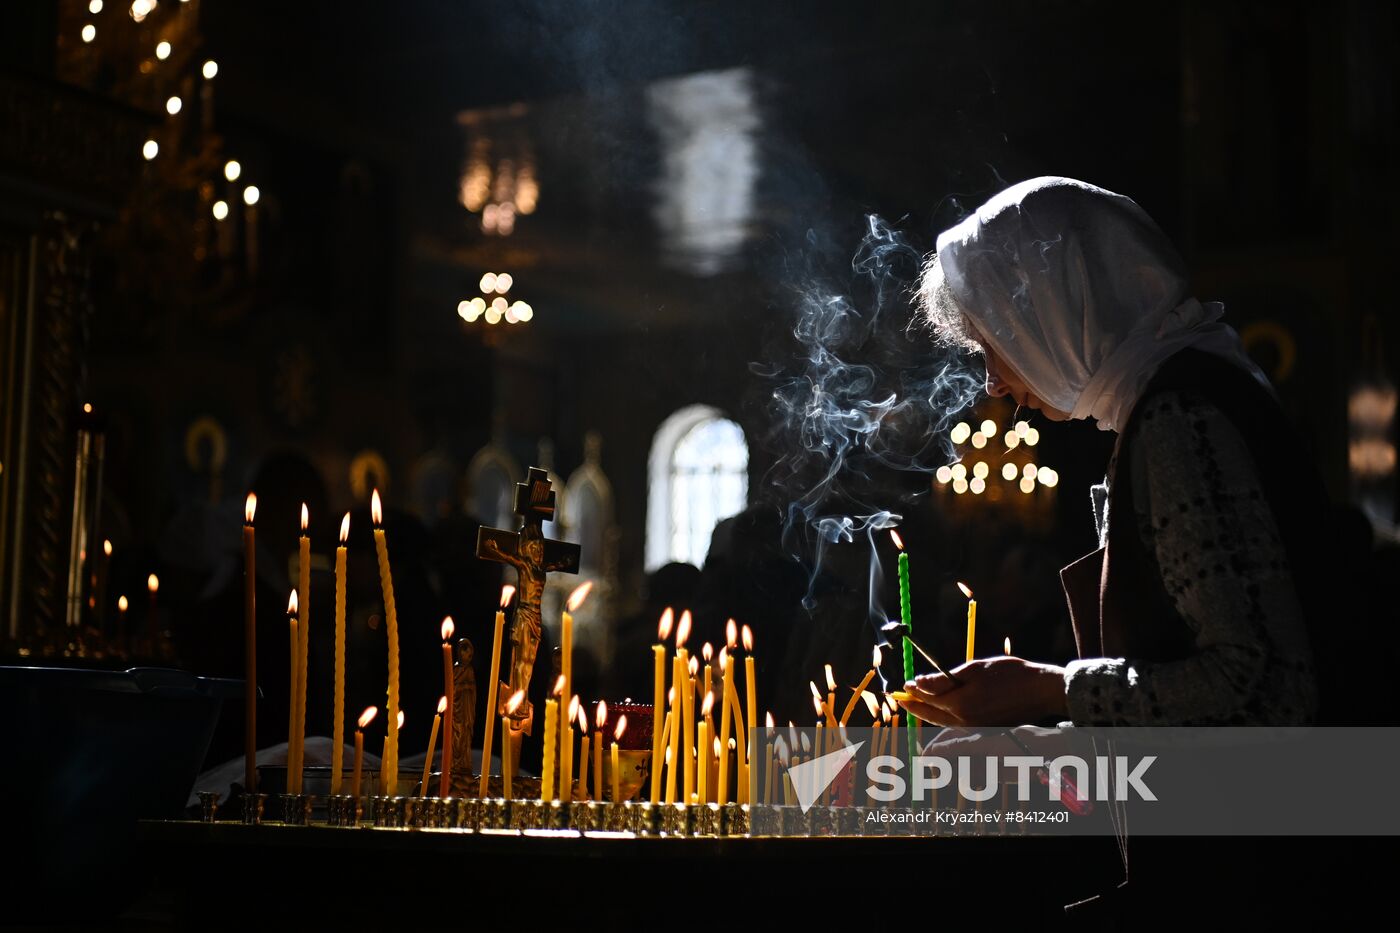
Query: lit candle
{"x": 432, "y": 747}
{"x": 294, "y": 646}
{"x": 547, "y": 790}
{"x": 250, "y": 647}
{"x": 365, "y": 718}
{"x": 123, "y": 604}
{"x": 971, "y": 621}
{"x": 616, "y": 767}
{"x": 673, "y": 753}
{"x": 686, "y": 704}
{"x": 726, "y": 662}
{"x": 707, "y": 652}
{"x": 506, "y": 593}
{"x": 566, "y": 656}
{"x": 1006, "y": 646}
{"x": 507, "y": 763}
{"x": 99, "y": 597}
{"x": 600, "y": 719}
{"x": 875, "y": 660}
{"x": 770, "y": 765}
{"x": 750, "y": 714}
{"x": 390, "y": 767}
{"x": 707, "y": 728}
{"x": 830, "y": 697}
{"x": 153, "y": 629}
{"x": 338, "y": 702}
{"x": 304, "y": 634}
{"x": 445, "y": 780}
{"x": 566, "y": 723}
{"x": 658, "y": 693}
{"x": 583, "y": 757}
{"x": 906, "y": 616}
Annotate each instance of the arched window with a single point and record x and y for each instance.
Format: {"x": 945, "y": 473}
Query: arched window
{"x": 698, "y": 475}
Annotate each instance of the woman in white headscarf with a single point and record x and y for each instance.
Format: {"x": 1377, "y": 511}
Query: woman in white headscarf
{"x": 1192, "y": 610}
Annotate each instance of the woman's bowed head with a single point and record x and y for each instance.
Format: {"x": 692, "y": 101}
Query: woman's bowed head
{"x": 1081, "y": 308}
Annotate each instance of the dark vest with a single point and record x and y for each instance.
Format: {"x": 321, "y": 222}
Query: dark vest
{"x": 1118, "y": 603}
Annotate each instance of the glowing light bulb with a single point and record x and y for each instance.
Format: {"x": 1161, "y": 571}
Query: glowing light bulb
{"x": 478, "y": 304}
{"x": 493, "y": 315}
{"x": 220, "y": 210}
{"x": 488, "y": 282}
{"x": 1042, "y": 475}
{"x": 1028, "y": 485}
{"x": 989, "y": 428}
{"x": 1008, "y": 472}
{"x": 89, "y": 32}
{"x": 210, "y": 69}
{"x": 1012, "y": 439}
{"x": 1028, "y": 471}
{"x": 510, "y": 315}
{"x": 978, "y": 486}
{"x": 526, "y": 312}
{"x": 979, "y": 440}
{"x": 173, "y": 105}
{"x": 499, "y": 304}
{"x": 944, "y": 475}
{"x": 1049, "y": 478}
{"x": 162, "y": 50}
{"x": 232, "y": 169}
{"x": 960, "y": 433}
{"x": 504, "y": 282}
{"x": 1022, "y": 427}
{"x": 959, "y": 471}
{"x": 251, "y": 195}
{"x": 959, "y": 486}
{"x": 150, "y": 149}
{"x": 980, "y": 469}
{"x": 1032, "y": 437}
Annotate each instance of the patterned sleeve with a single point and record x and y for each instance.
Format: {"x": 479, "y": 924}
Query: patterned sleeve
{"x": 1211, "y": 535}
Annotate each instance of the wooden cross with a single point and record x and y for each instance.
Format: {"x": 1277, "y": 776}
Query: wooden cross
{"x": 533, "y": 556}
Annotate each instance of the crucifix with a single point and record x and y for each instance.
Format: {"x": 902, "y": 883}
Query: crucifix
{"x": 532, "y": 555}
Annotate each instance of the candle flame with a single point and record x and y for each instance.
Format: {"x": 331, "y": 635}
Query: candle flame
{"x": 683, "y": 629}
{"x": 830, "y": 679}
{"x": 400, "y": 720}
{"x": 514, "y": 702}
{"x": 816, "y": 694}
{"x": 817, "y": 705}
{"x": 708, "y": 705}
{"x": 122, "y": 604}
{"x": 731, "y": 634}
{"x": 885, "y": 713}
{"x": 376, "y": 509}
{"x": 871, "y": 703}
{"x": 724, "y": 657}
{"x": 768, "y": 719}
{"x": 583, "y": 721}
{"x": 694, "y": 666}
{"x": 748, "y": 639}
{"x": 717, "y": 746}
{"x": 898, "y": 541}
{"x": 250, "y": 508}
{"x": 305, "y": 518}
{"x": 447, "y": 628}
{"x": 707, "y": 652}
{"x": 153, "y": 583}
{"x": 368, "y": 715}
{"x": 806, "y": 742}
{"x": 733, "y": 744}
{"x": 442, "y": 705}
{"x": 966, "y": 590}
{"x": 573, "y": 709}
{"x": 1006, "y": 645}
{"x": 668, "y": 756}
{"x": 558, "y": 687}
{"x": 292, "y": 603}
{"x": 579, "y": 594}
{"x": 663, "y": 629}
{"x": 106, "y": 547}
{"x": 507, "y": 593}
{"x": 600, "y": 714}
{"x": 671, "y": 697}
{"x": 345, "y": 528}
{"x": 781, "y": 747}
{"x": 621, "y": 728}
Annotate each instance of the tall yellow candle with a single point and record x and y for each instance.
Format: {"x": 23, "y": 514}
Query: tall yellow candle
{"x": 865, "y": 682}
{"x": 304, "y": 636}
{"x": 338, "y": 701}
{"x": 449, "y": 694}
{"x": 250, "y": 646}
{"x": 506, "y": 593}
{"x": 726, "y": 712}
{"x": 658, "y": 701}
{"x": 750, "y": 714}
{"x": 616, "y": 767}
{"x": 704, "y": 749}
{"x": 365, "y": 718}
{"x": 547, "y": 789}
{"x": 707, "y": 656}
{"x": 674, "y": 761}
{"x": 583, "y": 764}
{"x": 600, "y": 719}
{"x": 508, "y": 747}
{"x": 971, "y": 621}
{"x": 686, "y": 705}
{"x": 294, "y": 646}
{"x": 566, "y": 657}
{"x": 432, "y": 747}
{"x": 390, "y": 767}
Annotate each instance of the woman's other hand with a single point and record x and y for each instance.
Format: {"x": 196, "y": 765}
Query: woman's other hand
{"x": 1004, "y": 691}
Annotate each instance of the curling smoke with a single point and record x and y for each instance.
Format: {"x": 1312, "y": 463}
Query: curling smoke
{"x": 866, "y": 392}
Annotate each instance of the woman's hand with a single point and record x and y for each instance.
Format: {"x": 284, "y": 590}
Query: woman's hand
{"x": 1002, "y": 691}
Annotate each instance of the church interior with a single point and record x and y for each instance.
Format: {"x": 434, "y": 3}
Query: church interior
{"x": 613, "y": 304}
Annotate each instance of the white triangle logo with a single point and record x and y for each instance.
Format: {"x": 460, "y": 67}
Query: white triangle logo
{"x": 811, "y": 778}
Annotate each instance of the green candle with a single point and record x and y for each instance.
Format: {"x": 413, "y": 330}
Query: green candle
{"x": 907, "y": 619}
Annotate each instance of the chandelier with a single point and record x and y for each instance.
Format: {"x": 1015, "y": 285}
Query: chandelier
{"x": 496, "y": 309}
{"x": 498, "y": 182}
{"x": 1018, "y": 469}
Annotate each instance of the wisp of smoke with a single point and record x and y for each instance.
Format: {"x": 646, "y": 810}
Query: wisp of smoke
{"x": 866, "y": 392}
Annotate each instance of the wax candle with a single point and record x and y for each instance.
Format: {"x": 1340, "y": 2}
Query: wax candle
{"x": 583, "y": 758}
{"x": 703, "y": 748}
{"x": 600, "y": 719}
{"x": 152, "y": 627}
{"x": 508, "y": 747}
{"x": 707, "y": 652}
{"x": 123, "y": 604}
{"x": 751, "y": 714}
{"x": 293, "y": 652}
{"x": 674, "y": 751}
{"x": 445, "y": 778}
{"x": 906, "y": 616}
{"x": 566, "y": 656}
{"x": 865, "y": 682}
{"x": 365, "y": 719}
{"x": 566, "y": 722}
{"x": 506, "y": 593}
{"x": 971, "y": 621}
{"x": 250, "y": 647}
{"x": 725, "y": 720}
{"x": 547, "y": 789}
{"x": 304, "y": 635}
{"x": 432, "y": 747}
{"x": 391, "y": 621}
{"x": 338, "y": 697}
{"x": 616, "y": 767}
{"x": 658, "y": 694}
{"x": 686, "y": 704}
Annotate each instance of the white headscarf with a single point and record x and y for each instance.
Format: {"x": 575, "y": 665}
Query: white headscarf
{"x": 1081, "y": 293}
